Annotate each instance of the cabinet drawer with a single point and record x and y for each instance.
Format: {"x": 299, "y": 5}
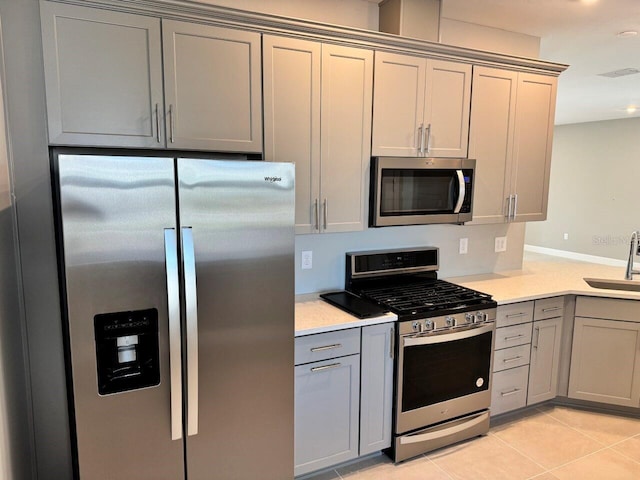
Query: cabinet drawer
{"x": 313, "y": 348}
{"x": 513, "y": 336}
{"x": 514, "y": 314}
{"x": 511, "y": 357}
{"x": 548, "y": 308}
{"x": 509, "y": 390}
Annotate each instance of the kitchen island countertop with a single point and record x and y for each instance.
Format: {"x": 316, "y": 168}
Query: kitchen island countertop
{"x": 541, "y": 276}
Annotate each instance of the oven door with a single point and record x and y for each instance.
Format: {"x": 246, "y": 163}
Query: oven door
{"x": 409, "y": 191}
{"x": 443, "y": 376}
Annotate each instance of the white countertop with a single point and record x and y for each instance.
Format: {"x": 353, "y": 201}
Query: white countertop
{"x": 541, "y": 276}
{"x": 545, "y": 276}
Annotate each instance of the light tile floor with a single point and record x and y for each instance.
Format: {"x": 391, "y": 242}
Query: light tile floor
{"x": 545, "y": 443}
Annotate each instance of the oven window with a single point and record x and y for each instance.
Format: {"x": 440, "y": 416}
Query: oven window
{"x": 417, "y": 191}
{"x": 443, "y": 371}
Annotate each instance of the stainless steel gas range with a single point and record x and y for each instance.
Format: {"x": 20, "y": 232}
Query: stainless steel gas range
{"x": 443, "y": 347}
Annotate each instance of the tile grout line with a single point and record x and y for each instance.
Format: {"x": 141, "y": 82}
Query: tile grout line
{"x": 521, "y": 453}
{"x": 438, "y": 466}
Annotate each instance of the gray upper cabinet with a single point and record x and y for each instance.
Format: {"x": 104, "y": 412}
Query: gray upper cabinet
{"x": 104, "y": 82}
{"x": 103, "y": 73}
{"x": 212, "y": 87}
{"x": 511, "y": 131}
{"x": 317, "y": 109}
{"x": 420, "y": 106}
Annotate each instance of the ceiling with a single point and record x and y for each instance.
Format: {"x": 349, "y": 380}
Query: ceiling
{"x": 581, "y": 33}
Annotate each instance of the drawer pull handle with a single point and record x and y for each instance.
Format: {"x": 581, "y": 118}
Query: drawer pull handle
{"x": 510, "y": 392}
{"x": 512, "y": 359}
{"x": 551, "y": 309}
{"x": 326, "y": 347}
{"x": 513, "y": 337}
{"x": 515, "y": 315}
{"x": 325, "y": 367}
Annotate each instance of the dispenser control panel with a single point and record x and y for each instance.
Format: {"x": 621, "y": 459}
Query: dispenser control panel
{"x": 127, "y": 350}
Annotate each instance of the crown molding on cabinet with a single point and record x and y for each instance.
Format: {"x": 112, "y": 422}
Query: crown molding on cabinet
{"x": 266, "y": 23}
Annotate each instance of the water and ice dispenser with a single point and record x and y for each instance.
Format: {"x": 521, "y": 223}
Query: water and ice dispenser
{"x": 127, "y": 350}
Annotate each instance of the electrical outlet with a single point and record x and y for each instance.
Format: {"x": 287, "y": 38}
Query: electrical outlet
{"x": 501, "y": 244}
{"x": 566, "y": 236}
{"x": 464, "y": 246}
{"x": 307, "y": 260}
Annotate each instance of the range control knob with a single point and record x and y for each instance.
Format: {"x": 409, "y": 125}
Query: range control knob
{"x": 450, "y": 321}
{"x": 417, "y": 327}
{"x": 481, "y": 316}
{"x": 471, "y": 318}
{"x": 429, "y": 325}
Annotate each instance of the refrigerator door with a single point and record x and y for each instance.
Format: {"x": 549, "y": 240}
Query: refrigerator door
{"x": 237, "y": 220}
{"x": 114, "y": 212}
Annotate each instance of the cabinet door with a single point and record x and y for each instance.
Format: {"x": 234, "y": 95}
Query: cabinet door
{"x": 291, "y": 80}
{"x": 212, "y": 87}
{"x": 376, "y": 387}
{"x": 347, "y": 86}
{"x": 491, "y": 141}
{"x": 326, "y": 413}
{"x": 103, "y": 77}
{"x": 605, "y": 362}
{"x": 398, "y": 104}
{"x": 545, "y": 360}
{"x": 448, "y": 102}
{"x": 535, "y": 115}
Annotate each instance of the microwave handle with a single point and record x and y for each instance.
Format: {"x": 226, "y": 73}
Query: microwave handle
{"x": 462, "y": 191}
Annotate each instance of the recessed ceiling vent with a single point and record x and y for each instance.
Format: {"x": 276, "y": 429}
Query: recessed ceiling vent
{"x": 620, "y": 73}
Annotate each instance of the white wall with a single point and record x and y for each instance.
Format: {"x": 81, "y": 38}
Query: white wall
{"x": 350, "y": 13}
{"x": 594, "y": 193}
{"x": 329, "y": 250}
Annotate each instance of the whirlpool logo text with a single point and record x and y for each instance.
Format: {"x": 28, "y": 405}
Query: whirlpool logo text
{"x": 272, "y": 179}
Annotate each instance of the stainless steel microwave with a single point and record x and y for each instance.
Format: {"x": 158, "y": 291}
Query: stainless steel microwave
{"x": 414, "y": 191}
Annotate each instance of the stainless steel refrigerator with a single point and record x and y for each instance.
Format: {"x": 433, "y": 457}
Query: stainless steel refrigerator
{"x": 177, "y": 276}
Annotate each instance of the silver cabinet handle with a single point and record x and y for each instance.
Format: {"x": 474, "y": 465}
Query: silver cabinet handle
{"x": 510, "y": 205}
{"x": 175, "y": 344}
{"x": 325, "y": 367}
{"x": 316, "y": 214}
{"x": 461, "y": 190}
{"x": 535, "y": 343}
{"x": 515, "y": 315}
{"x": 392, "y": 343}
{"x": 191, "y": 314}
{"x": 512, "y": 359}
{"x": 511, "y": 392}
{"x": 171, "y": 123}
{"x": 428, "y": 139}
{"x": 325, "y": 211}
{"x": 157, "y": 124}
{"x": 515, "y": 206}
{"x": 513, "y": 337}
{"x": 551, "y": 309}
{"x": 326, "y": 347}
{"x": 421, "y": 149}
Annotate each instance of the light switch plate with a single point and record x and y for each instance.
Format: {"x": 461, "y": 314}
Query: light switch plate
{"x": 464, "y": 246}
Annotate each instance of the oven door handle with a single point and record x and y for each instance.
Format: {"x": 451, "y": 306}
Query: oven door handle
{"x": 447, "y": 337}
{"x": 445, "y": 432}
{"x": 461, "y": 191}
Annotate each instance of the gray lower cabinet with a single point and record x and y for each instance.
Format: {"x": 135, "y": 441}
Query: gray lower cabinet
{"x": 327, "y": 403}
{"x": 376, "y": 387}
{"x": 545, "y": 360}
{"x": 605, "y": 358}
{"x": 343, "y": 395}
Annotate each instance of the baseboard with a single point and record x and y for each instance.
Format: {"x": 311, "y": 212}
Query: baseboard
{"x": 583, "y": 257}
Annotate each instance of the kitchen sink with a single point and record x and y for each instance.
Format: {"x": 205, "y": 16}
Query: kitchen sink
{"x": 613, "y": 284}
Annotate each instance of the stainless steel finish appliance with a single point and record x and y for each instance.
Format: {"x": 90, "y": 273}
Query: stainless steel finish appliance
{"x": 179, "y": 294}
{"x": 444, "y": 347}
{"x": 410, "y": 191}
{"x": 634, "y": 249}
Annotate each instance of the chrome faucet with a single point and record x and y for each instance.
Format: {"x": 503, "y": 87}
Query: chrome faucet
{"x": 633, "y": 251}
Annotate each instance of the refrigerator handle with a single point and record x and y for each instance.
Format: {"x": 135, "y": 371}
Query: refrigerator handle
{"x": 175, "y": 348}
{"x": 191, "y": 313}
